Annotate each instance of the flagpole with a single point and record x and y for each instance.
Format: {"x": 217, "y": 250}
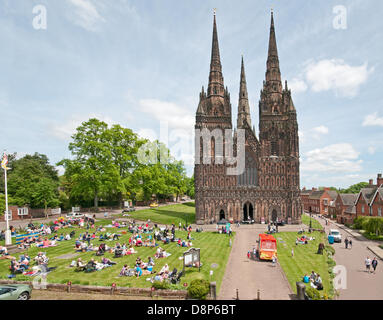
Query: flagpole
{"x": 8, "y": 236}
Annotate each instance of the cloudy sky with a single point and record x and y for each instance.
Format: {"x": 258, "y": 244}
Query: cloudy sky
{"x": 142, "y": 64}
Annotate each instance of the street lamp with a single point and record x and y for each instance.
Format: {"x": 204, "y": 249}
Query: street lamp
{"x": 310, "y": 220}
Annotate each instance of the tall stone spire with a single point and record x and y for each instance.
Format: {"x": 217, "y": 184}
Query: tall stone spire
{"x": 243, "y": 103}
{"x": 273, "y": 73}
{"x": 216, "y": 85}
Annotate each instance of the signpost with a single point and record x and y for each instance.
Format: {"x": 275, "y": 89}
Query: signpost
{"x": 192, "y": 259}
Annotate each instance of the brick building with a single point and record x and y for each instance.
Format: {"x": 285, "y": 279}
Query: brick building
{"x": 369, "y": 200}
{"x": 17, "y": 213}
{"x": 319, "y": 201}
{"x": 345, "y": 207}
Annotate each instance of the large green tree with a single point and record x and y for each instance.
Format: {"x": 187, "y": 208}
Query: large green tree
{"x": 26, "y": 173}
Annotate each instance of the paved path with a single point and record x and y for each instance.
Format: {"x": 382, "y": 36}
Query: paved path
{"x": 249, "y": 276}
{"x": 360, "y": 284}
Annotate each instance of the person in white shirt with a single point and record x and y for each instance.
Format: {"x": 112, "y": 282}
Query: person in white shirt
{"x": 367, "y": 262}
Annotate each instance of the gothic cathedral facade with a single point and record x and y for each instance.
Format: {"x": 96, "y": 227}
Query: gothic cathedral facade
{"x": 268, "y": 189}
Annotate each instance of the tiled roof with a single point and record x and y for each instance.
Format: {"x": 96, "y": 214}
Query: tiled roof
{"x": 368, "y": 193}
{"x": 351, "y": 210}
{"x": 348, "y": 199}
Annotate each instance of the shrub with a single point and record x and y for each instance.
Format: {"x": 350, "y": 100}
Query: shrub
{"x": 161, "y": 285}
{"x": 199, "y": 289}
{"x": 330, "y": 249}
{"x": 331, "y": 262}
{"x": 313, "y": 294}
{"x": 360, "y": 222}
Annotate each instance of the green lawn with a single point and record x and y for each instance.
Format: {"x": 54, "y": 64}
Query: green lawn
{"x": 214, "y": 249}
{"x": 184, "y": 213}
{"x": 305, "y": 259}
{"x": 314, "y": 223}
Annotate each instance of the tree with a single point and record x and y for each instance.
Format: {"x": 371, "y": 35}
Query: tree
{"x": 45, "y": 195}
{"x": 91, "y": 172}
{"x": 355, "y": 188}
{"x": 26, "y": 173}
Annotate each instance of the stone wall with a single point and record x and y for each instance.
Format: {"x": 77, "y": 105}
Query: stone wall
{"x": 135, "y": 292}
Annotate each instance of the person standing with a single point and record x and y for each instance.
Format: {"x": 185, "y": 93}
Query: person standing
{"x": 350, "y": 243}
{"x": 274, "y": 260}
{"x": 374, "y": 264}
{"x": 367, "y": 262}
{"x": 248, "y": 254}
{"x": 346, "y": 243}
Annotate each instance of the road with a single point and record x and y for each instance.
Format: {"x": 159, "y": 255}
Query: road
{"x": 360, "y": 285}
{"x": 249, "y": 276}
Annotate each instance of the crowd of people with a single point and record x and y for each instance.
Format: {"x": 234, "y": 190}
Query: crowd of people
{"x": 314, "y": 279}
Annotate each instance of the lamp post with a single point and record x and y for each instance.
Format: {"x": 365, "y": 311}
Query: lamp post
{"x": 8, "y": 236}
{"x": 310, "y": 220}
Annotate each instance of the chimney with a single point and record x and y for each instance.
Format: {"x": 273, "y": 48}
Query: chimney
{"x": 371, "y": 182}
{"x": 379, "y": 180}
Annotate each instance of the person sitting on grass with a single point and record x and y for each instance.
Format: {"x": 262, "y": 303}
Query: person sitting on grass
{"x": 108, "y": 262}
{"x": 306, "y": 279}
{"x": 139, "y": 271}
{"x": 80, "y": 265}
{"x": 3, "y": 251}
{"x": 16, "y": 267}
{"x": 91, "y": 266}
{"x": 164, "y": 271}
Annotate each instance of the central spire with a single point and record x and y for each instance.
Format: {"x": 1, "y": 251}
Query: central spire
{"x": 243, "y": 103}
{"x": 216, "y": 85}
{"x": 273, "y": 73}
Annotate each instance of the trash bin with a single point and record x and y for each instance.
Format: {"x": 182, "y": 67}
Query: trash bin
{"x": 330, "y": 239}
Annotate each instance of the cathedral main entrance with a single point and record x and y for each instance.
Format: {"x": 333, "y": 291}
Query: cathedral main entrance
{"x": 274, "y": 216}
{"x": 221, "y": 215}
{"x": 248, "y": 211}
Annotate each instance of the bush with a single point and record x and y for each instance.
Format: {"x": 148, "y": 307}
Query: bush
{"x": 360, "y": 223}
{"x": 313, "y": 294}
{"x": 330, "y": 249}
{"x": 161, "y": 285}
{"x": 199, "y": 289}
{"x": 331, "y": 262}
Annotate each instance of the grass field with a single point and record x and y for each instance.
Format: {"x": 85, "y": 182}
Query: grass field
{"x": 214, "y": 250}
{"x": 314, "y": 223}
{"x": 305, "y": 259}
{"x": 184, "y": 213}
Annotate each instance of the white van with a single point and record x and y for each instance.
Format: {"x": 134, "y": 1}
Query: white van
{"x": 74, "y": 215}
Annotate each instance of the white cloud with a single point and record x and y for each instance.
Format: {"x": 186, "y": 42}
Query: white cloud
{"x": 336, "y": 75}
{"x": 297, "y": 85}
{"x": 334, "y": 158}
{"x": 373, "y": 120}
{"x": 86, "y": 14}
{"x": 65, "y": 130}
{"x": 371, "y": 150}
{"x": 171, "y": 114}
{"x": 321, "y": 130}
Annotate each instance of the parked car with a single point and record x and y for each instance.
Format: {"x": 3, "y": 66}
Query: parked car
{"x": 336, "y": 235}
{"x": 74, "y": 215}
{"x": 130, "y": 209}
{"x": 154, "y": 205}
{"x": 15, "y": 292}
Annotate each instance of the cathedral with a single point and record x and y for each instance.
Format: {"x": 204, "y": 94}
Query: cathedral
{"x": 268, "y": 188}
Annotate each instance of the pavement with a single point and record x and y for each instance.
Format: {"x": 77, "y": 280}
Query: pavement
{"x": 250, "y": 276}
{"x": 353, "y": 280}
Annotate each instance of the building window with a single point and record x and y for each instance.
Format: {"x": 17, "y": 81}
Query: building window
{"x": 22, "y": 211}
{"x": 362, "y": 209}
{"x": 379, "y": 212}
{"x": 274, "y": 148}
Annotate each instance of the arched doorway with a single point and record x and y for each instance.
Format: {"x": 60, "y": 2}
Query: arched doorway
{"x": 221, "y": 215}
{"x": 274, "y": 215}
{"x": 248, "y": 211}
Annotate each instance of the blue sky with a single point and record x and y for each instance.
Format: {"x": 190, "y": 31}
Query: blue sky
{"x": 142, "y": 64}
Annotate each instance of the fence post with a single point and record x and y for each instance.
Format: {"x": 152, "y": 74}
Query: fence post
{"x": 301, "y": 291}
{"x": 213, "y": 290}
